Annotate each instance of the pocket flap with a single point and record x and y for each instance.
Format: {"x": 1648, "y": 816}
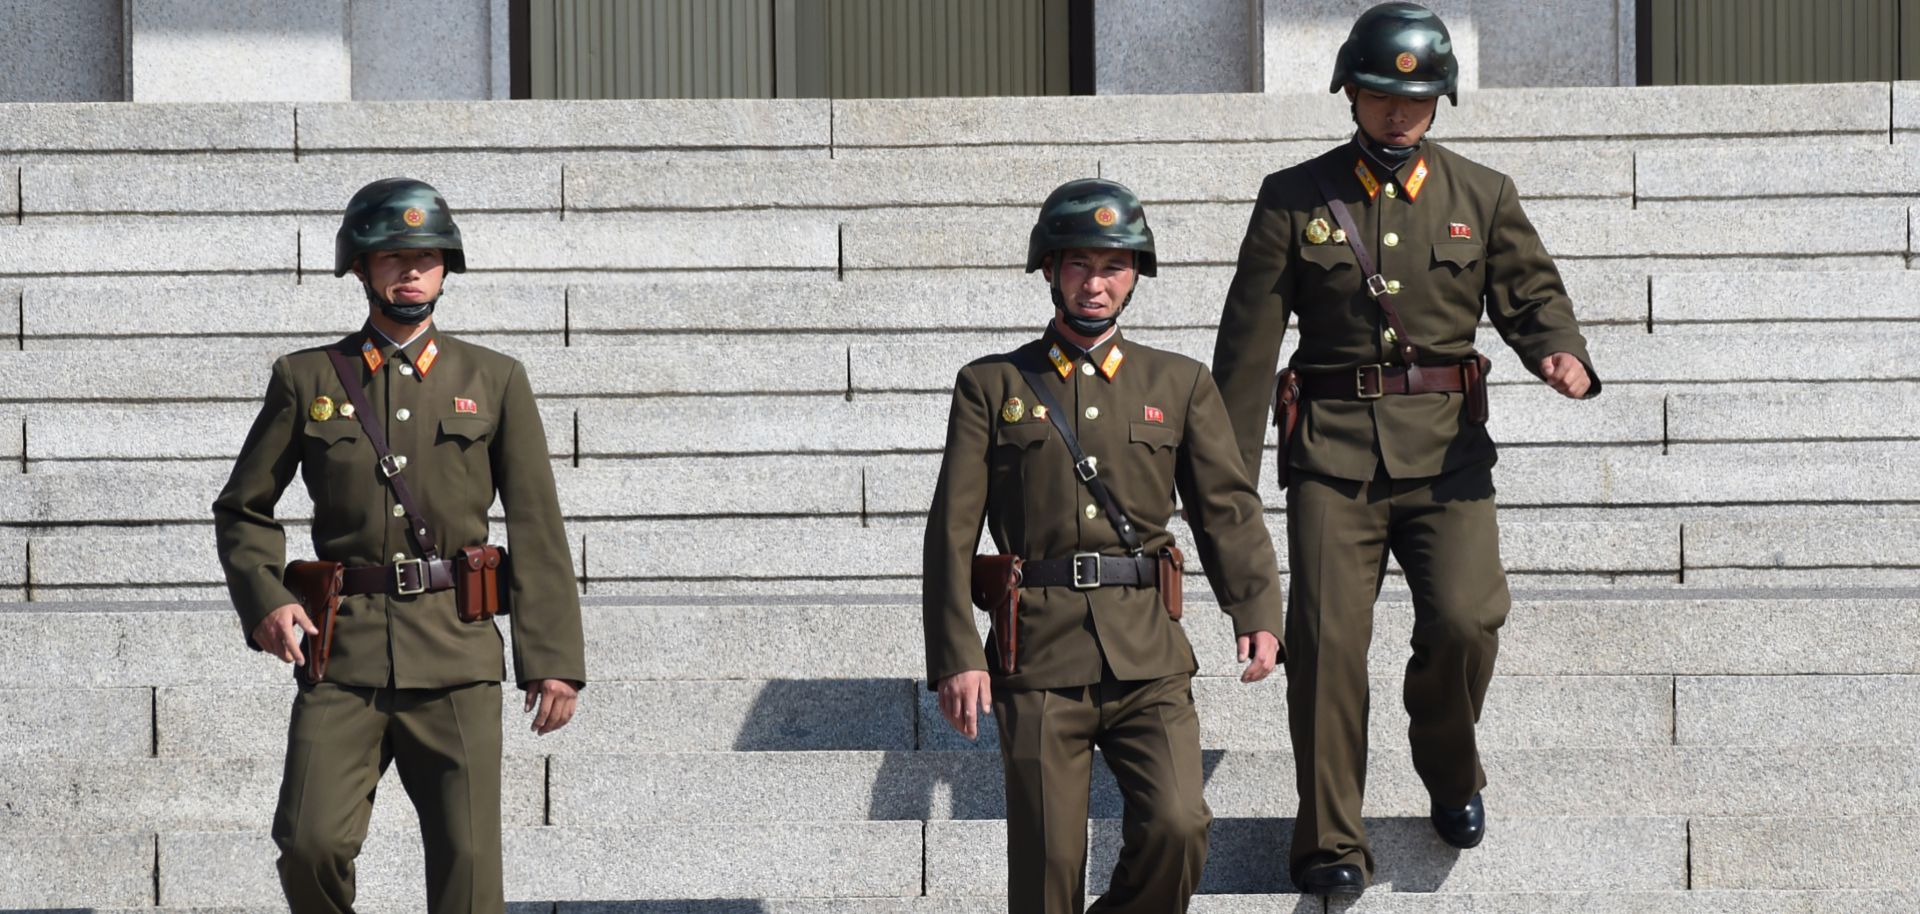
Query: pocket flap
{"x": 1461, "y": 254}
{"x": 1329, "y": 256}
{"x": 1023, "y": 434}
{"x": 1153, "y": 434}
{"x": 334, "y": 430}
{"x": 472, "y": 428}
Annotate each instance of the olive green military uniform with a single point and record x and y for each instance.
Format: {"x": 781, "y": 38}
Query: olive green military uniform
{"x": 408, "y": 681}
{"x": 1104, "y": 667}
{"x": 1407, "y": 473}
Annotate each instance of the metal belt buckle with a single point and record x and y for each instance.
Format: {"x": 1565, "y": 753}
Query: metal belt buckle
{"x": 1083, "y": 579}
{"x": 1377, "y": 285}
{"x": 1379, "y": 382}
{"x": 419, "y": 576}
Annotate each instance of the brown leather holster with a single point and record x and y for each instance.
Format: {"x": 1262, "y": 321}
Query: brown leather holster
{"x": 996, "y": 589}
{"x": 1170, "y": 571}
{"x": 317, "y": 585}
{"x": 1286, "y": 417}
{"x": 480, "y": 578}
{"x": 1474, "y": 372}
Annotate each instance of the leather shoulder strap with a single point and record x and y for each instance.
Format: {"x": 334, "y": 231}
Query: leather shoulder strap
{"x": 348, "y": 371}
{"x": 1083, "y": 466}
{"x": 1375, "y": 283}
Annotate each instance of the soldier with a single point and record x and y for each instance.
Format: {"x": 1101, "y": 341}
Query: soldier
{"x": 1390, "y": 449}
{"x": 406, "y": 680}
{"x": 1100, "y": 660}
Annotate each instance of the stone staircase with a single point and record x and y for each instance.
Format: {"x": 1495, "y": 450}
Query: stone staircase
{"x": 743, "y": 319}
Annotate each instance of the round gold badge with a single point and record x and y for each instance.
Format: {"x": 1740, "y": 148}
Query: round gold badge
{"x": 1317, "y": 231}
{"x": 1013, "y": 410}
{"x": 414, "y": 217}
{"x": 1105, "y": 215}
{"x": 1405, "y": 62}
{"x": 321, "y": 410}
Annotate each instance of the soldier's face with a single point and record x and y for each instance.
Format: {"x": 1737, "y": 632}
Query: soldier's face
{"x": 1095, "y": 283}
{"x": 405, "y": 277}
{"x": 1392, "y": 119}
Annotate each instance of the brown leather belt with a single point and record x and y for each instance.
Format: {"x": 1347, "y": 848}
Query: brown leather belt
{"x": 1088, "y": 570}
{"x": 1371, "y": 382}
{"x": 403, "y": 578}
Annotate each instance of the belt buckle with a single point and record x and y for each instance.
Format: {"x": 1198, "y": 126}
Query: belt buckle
{"x": 1085, "y": 560}
{"x": 400, "y": 577}
{"x": 390, "y": 467}
{"x": 1379, "y": 382}
{"x": 1377, "y": 285}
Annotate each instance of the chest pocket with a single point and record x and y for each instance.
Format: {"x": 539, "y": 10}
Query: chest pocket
{"x": 333, "y": 432}
{"x": 1155, "y": 435}
{"x": 1329, "y": 256}
{"x": 465, "y": 429}
{"x": 1023, "y": 434}
{"x": 1461, "y": 255}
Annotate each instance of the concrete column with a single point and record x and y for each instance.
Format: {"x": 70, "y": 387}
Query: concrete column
{"x": 61, "y": 51}
{"x": 1299, "y": 39}
{"x": 1148, "y": 47}
{"x": 429, "y": 49}
{"x": 238, "y": 50}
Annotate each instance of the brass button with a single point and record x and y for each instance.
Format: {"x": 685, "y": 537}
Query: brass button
{"x": 1092, "y": 512}
{"x": 1390, "y": 336}
{"x": 405, "y": 368}
{"x": 399, "y": 510}
{"x": 1087, "y": 369}
{"x": 1392, "y": 191}
{"x": 1392, "y": 239}
{"x": 401, "y": 460}
{"x": 1393, "y": 287}
{"x": 403, "y": 414}
{"x": 1093, "y": 412}
{"x": 399, "y": 556}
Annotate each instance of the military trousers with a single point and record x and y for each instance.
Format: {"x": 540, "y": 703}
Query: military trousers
{"x": 1339, "y": 533}
{"x": 447, "y": 745}
{"x": 1150, "y": 737}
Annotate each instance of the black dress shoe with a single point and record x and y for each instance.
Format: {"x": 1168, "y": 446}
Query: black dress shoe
{"x": 1462, "y": 828}
{"x": 1341, "y": 879}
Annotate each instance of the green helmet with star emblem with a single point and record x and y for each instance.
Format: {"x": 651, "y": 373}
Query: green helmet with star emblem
{"x": 1092, "y": 213}
{"x": 394, "y": 214}
{"x": 1400, "y": 49}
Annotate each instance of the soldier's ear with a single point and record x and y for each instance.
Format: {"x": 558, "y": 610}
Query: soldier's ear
{"x": 1046, "y": 268}
{"x": 360, "y": 267}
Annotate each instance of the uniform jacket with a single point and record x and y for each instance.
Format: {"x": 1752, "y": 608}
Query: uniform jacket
{"x": 1155, "y": 423}
{"x": 464, "y": 417}
{"x": 1451, "y": 234}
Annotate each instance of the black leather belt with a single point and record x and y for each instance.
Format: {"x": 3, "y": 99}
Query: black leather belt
{"x": 404, "y": 578}
{"x": 1088, "y": 570}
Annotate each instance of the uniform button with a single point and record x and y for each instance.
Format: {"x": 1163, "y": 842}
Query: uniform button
{"x": 1093, "y": 412}
{"x": 1087, "y": 369}
{"x": 1390, "y": 336}
{"x": 401, "y": 460}
{"x": 1392, "y": 191}
{"x": 1393, "y": 287}
{"x": 1092, "y": 512}
{"x": 399, "y": 556}
{"x": 405, "y": 368}
{"x": 1392, "y": 239}
{"x": 399, "y": 510}
{"x": 403, "y": 414}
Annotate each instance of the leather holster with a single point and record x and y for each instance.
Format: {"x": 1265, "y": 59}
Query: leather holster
{"x": 480, "y": 578}
{"x": 317, "y": 585}
{"x": 1474, "y": 373}
{"x": 1286, "y": 417}
{"x": 1170, "y": 571}
{"x": 996, "y": 589}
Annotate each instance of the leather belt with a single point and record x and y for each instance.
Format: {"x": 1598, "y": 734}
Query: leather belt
{"x": 1088, "y": 570}
{"x": 404, "y": 578}
{"x": 1371, "y": 382}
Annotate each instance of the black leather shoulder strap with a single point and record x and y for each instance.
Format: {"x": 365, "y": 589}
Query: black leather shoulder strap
{"x": 1083, "y": 466}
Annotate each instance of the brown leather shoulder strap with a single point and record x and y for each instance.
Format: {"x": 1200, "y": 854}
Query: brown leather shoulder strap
{"x": 1375, "y": 283}
{"x": 348, "y": 371}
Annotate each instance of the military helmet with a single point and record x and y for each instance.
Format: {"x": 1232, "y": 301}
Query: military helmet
{"x": 1400, "y": 49}
{"x": 394, "y": 214}
{"x": 1092, "y": 213}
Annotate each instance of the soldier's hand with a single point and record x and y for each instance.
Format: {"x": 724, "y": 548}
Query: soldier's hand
{"x": 276, "y": 633}
{"x": 964, "y": 699}
{"x": 1263, "y": 649}
{"x": 1566, "y": 374}
{"x": 556, "y": 699}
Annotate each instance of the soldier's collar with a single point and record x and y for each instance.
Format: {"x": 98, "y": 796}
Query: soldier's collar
{"x": 421, "y": 352}
{"x": 1375, "y": 177}
{"x": 1105, "y": 357}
